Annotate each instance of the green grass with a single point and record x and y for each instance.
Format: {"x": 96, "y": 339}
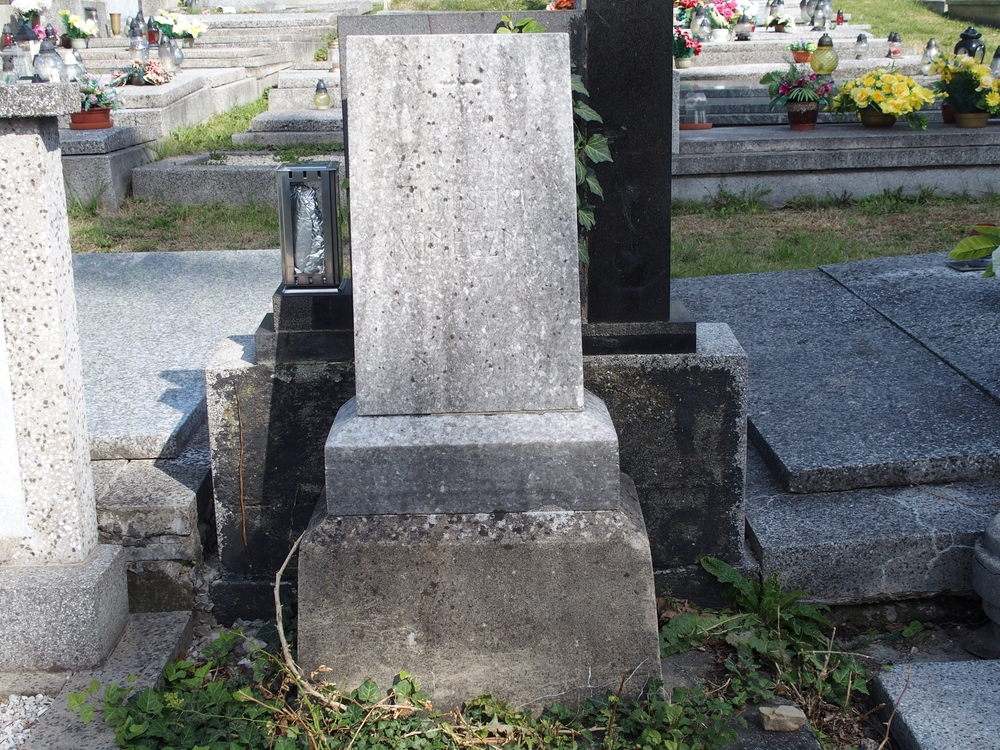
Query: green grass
{"x": 915, "y": 23}
{"x": 141, "y": 227}
{"x": 214, "y": 135}
{"x": 742, "y": 234}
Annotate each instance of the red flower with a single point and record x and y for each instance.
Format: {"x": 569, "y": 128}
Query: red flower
{"x": 560, "y": 5}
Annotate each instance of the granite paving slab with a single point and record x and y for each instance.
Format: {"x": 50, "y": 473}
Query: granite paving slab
{"x": 949, "y": 705}
{"x": 956, "y": 315}
{"x": 149, "y": 323}
{"x": 869, "y": 544}
{"x": 839, "y": 397}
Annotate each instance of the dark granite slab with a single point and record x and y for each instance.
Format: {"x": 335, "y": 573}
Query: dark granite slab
{"x": 871, "y": 544}
{"x": 841, "y": 398}
{"x": 955, "y": 315}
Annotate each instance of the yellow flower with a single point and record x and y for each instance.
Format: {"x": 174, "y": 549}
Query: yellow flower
{"x": 878, "y": 97}
{"x": 965, "y": 61}
{"x": 900, "y": 89}
{"x": 868, "y": 81}
{"x": 993, "y": 99}
{"x": 861, "y": 97}
{"x": 985, "y": 82}
{"x": 889, "y": 78}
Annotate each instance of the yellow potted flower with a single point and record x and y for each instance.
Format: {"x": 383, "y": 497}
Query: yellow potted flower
{"x": 970, "y": 91}
{"x": 881, "y": 96}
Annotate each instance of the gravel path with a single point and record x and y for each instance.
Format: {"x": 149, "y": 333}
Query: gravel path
{"x": 17, "y": 715}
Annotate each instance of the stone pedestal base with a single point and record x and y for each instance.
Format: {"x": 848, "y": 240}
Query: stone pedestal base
{"x": 55, "y": 617}
{"x": 531, "y": 607}
{"x": 461, "y": 463}
{"x": 682, "y": 427}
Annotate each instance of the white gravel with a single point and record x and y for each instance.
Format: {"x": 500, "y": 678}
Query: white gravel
{"x": 18, "y": 714}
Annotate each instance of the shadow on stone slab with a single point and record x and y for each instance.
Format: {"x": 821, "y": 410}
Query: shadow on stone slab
{"x": 753, "y": 736}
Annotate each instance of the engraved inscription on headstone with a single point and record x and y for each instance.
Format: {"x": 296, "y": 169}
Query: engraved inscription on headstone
{"x": 462, "y": 198}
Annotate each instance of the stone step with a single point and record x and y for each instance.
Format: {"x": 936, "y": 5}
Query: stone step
{"x": 825, "y": 409}
{"x": 298, "y": 98}
{"x": 327, "y": 121}
{"x": 149, "y": 642}
{"x": 946, "y": 704}
{"x": 710, "y": 70}
{"x": 867, "y": 545}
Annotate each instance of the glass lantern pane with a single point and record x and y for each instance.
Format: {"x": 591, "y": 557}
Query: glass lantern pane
{"x": 307, "y": 222}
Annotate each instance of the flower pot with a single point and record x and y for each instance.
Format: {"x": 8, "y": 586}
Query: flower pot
{"x": 801, "y": 55}
{"x": 779, "y": 28}
{"x": 683, "y": 62}
{"x": 971, "y": 119}
{"x": 187, "y": 41}
{"x": 947, "y": 115}
{"x": 720, "y": 35}
{"x": 78, "y": 43}
{"x": 872, "y": 118}
{"x": 96, "y": 118}
{"x": 802, "y": 115}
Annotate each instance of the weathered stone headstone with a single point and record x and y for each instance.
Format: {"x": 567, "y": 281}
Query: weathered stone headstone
{"x": 63, "y": 598}
{"x": 470, "y": 398}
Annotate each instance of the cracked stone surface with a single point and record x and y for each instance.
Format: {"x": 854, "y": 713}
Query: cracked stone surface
{"x": 868, "y": 544}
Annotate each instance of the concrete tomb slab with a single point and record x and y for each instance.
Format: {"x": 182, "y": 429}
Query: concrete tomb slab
{"x": 947, "y": 705}
{"x": 145, "y": 399}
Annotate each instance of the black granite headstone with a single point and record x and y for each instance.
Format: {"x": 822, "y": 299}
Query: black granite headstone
{"x": 630, "y": 77}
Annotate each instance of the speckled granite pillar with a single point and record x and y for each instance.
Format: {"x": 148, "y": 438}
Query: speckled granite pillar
{"x": 73, "y": 618}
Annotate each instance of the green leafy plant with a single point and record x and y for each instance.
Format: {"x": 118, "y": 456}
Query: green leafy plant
{"x": 794, "y": 85}
{"x": 774, "y": 644}
{"x": 526, "y": 25}
{"x": 802, "y": 45}
{"x": 984, "y": 241}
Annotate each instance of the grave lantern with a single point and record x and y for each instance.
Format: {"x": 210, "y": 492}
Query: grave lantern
{"x": 824, "y": 60}
{"x": 971, "y": 44}
{"x": 819, "y": 19}
{"x": 701, "y": 24}
{"x": 995, "y": 65}
{"x": 49, "y": 66}
{"x": 861, "y": 47}
{"x": 322, "y": 97}
{"x": 310, "y": 241}
{"x": 931, "y": 51}
{"x": 895, "y": 44}
{"x": 743, "y": 29}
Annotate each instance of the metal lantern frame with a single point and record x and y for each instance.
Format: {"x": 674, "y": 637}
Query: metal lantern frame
{"x": 324, "y": 179}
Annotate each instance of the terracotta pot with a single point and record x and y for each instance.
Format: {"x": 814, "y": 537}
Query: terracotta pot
{"x": 947, "y": 116}
{"x": 683, "y": 62}
{"x": 802, "y": 115}
{"x": 801, "y": 55}
{"x": 871, "y": 118}
{"x": 97, "y": 118}
{"x": 971, "y": 119}
{"x": 779, "y": 28}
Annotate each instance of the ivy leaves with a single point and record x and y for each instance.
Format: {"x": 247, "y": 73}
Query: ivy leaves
{"x": 590, "y": 149}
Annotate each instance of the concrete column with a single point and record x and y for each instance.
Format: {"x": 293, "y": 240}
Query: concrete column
{"x": 63, "y": 600}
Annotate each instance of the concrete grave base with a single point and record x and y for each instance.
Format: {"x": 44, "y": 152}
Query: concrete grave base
{"x": 681, "y": 422}
{"x": 460, "y": 463}
{"x": 62, "y": 616}
{"x": 530, "y": 607}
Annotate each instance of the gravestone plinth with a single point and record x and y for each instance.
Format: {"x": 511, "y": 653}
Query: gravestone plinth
{"x": 63, "y": 597}
{"x": 477, "y": 532}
